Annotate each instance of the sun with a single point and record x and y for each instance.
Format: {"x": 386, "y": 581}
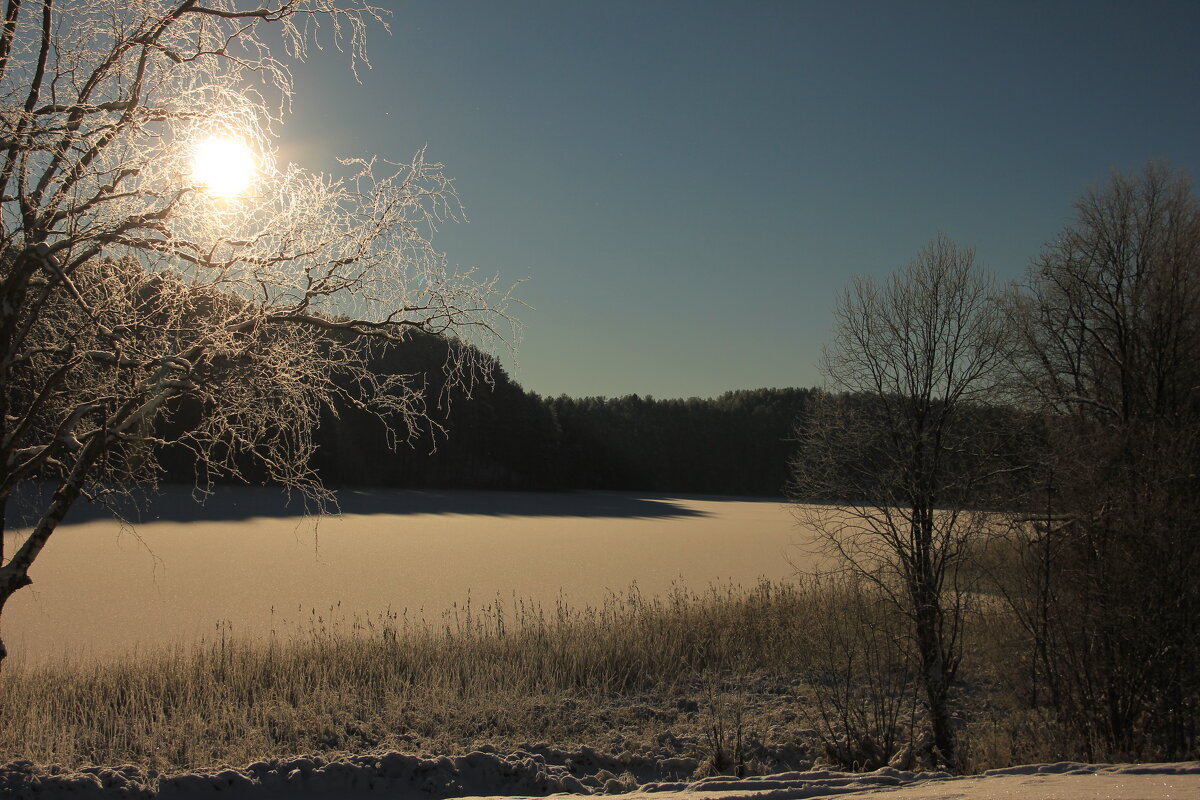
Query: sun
{"x": 225, "y": 167}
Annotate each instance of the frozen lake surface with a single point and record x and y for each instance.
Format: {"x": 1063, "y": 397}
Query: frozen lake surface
{"x": 251, "y": 563}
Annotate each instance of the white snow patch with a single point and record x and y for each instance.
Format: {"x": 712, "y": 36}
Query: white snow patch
{"x": 527, "y": 775}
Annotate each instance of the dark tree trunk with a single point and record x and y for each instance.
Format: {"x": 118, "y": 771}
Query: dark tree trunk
{"x": 936, "y": 669}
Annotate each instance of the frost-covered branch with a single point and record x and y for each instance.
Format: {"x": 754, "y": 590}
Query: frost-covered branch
{"x": 128, "y": 291}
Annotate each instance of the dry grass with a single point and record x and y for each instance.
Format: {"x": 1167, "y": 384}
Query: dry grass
{"x": 735, "y": 678}
{"x": 483, "y": 674}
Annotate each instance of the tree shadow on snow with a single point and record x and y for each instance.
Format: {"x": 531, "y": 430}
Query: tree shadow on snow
{"x": 178, "y": 503}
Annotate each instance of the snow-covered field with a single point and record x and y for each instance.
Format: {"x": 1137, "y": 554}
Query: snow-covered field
{"x": 530, "y": 774}
{"x": 100, "y": 588}
{"x": 255, "y": 564}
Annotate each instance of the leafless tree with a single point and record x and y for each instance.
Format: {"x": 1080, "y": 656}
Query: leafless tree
{"x": 892, "y": 463}
{"x": 126, "y": 286}
{"x": 1108, "y": 327}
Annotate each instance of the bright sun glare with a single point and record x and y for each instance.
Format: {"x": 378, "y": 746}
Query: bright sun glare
{"x": 223, "y": 166}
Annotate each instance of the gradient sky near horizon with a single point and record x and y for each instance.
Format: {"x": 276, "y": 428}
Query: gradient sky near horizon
{"x": 688, "y": 185}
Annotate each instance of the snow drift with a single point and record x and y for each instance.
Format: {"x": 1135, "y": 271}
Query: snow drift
{"x": 583, "y": 772}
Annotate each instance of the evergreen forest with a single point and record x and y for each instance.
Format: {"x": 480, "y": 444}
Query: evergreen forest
{"x": 496, "y": 435}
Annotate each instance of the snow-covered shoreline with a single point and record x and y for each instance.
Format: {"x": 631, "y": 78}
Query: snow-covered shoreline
{"x": 530, "y": 774}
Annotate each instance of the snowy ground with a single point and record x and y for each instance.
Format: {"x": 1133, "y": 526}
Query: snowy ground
{"x": 530, "y": 774}
{"x": 99, "y": 590}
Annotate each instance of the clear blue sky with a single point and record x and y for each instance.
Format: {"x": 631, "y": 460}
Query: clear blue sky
{"x": 688, "y": 185}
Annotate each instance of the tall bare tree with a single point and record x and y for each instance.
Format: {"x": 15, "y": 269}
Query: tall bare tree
{"x": 893, "y": 462}
{"x": 126, "y": 284}
{"x": 1108, "y": 326}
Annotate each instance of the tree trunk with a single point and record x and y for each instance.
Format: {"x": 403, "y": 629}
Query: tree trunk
{"x": 927, "y": 605}
{"x": 936, "y": 680}
{"x": 15, "y": 574}
{"x": 10, "y": 582}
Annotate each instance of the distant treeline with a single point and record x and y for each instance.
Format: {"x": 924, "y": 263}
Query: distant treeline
{"x": 503, "y": 437}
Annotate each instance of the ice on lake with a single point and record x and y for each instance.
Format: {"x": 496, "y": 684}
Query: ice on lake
{"x": 248, "y": 562}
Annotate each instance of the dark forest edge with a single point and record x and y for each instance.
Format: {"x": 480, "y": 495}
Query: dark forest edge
{"x": 497, "y": 435}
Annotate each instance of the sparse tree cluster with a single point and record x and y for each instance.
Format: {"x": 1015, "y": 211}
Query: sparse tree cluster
{"x": 1069, "y": 409}
{"x": 1108, "y": 333}
{"x": 913, "y": 359}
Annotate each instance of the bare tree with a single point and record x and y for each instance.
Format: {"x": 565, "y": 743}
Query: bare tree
{"x": 1108, "y": 328}
{"x": 891, "y": 466}
{"x": 126, "y": 285}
